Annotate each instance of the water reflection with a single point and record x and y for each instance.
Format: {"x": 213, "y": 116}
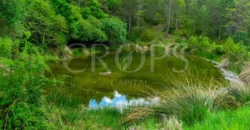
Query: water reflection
{"x": 120, "y": 101}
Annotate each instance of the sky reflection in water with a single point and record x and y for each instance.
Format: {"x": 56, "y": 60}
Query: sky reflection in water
{"x": 119, "y": 101}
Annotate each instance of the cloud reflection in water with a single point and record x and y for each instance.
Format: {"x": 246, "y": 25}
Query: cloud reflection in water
{"x": 120, "y": 101}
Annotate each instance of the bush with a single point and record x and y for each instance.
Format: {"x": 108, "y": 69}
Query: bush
{"x": 94, "y": 8}
{"x": 21, "y": 103}
{"x": 5, "y": 47}
{"x": 242, "y": 36}
{"x": 205, "y": 42}
{"x": 85, "y": 31}
{"x": 193, "y": 40}
{"x": 12, "y": 12}
{"x": 134, "y": 34}
{"x": 115, "y": 30}
{"x": 147, "y": 35}
{"x": 217, "y": 49}
{"x": 234, "y": 51}
{"x": 46, "y": 27}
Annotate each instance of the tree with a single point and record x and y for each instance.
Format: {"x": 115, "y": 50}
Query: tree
{"x": 12, "y": 12}
{"x": 179, "y": 11}
{"x": 115, "y": 29}
{"x": 168, "y": 15}
{"x": 46, "y": 27}
{"x": 239, "y": 17}
{"x": 128, "y": 10}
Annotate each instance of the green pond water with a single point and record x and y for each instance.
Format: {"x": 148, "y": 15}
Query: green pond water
{"x": 92, "y": 86}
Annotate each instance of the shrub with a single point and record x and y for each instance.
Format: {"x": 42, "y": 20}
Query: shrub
{"x": 234, "y": 51}
{"x": 21, "y": 102}
{"x": 217, "y": 49}
{"x": 147, "y": 35}
{"x": 193, "y": 40}
{"x": 205, "y": 42}
{"x": 242, "y": 36}
{"x": 89, "y": 29}
{"x": 5, "y": 47}
{"x": 134, "y": 34}
{"x": 85, "y": 31}
{"x": 12, "y": 12}
{"x": 115, "y": 30}
{"x": 93, "y": 7}
{"x": 45, "y": 26}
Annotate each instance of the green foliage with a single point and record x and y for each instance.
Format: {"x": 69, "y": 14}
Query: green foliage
{"x": 9, "y": 10}
{"x": 45, "y": 26}
{"x": 21, "y": 101}
{"x": 205, "y": 41}
{"x": 204, "y": 47}
{"x": 51, "y": 23}
{"x": 147, "y": 35}
{"x": 234, "y": 51}
{"x": 93, "y": 7}
{"x": 201, "y": 43}
{"x": 217, "y": 49}
{"x": 5, "y": 47}
{"x": 115, "y": 29}
{"x": 134, "y": 34}
{"x": 12, "y": 12}
{"x": 85, "y": 31}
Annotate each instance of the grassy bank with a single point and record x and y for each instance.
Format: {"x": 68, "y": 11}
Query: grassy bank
{"x": 185, "y": 108}
{"x": 225, "y": 120}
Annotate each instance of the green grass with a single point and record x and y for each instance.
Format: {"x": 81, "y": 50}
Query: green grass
{"x": 103, "y": 118}
{"x": 225, "y": 120}
{"x": 188, "y": 106}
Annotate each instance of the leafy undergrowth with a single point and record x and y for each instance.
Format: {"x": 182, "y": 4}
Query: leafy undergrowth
{"x": 4, "y": 61}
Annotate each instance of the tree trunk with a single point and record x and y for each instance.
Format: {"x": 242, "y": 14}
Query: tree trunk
{"x": 220, "y": 33}
{"x": 169, "y": 16}
{"x": 130, "y": 22}
{"x": 176, "y": 24}
{"x": 138, "y": 13}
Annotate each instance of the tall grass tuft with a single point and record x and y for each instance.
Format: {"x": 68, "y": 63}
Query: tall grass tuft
{"x": 192, "y": 104}
{"x": 188, "y": 104}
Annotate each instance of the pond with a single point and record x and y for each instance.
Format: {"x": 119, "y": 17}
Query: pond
{"x": 113, "y": 78}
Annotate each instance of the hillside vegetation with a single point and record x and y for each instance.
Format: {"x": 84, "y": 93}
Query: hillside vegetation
{"x": 33, "y": 34}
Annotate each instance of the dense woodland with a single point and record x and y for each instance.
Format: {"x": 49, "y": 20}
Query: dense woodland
{"x": 54, "y": 22}
{"x": 29, "y": 29}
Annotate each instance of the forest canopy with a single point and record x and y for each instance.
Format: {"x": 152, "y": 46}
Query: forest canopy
{"x": 55, "y": 22}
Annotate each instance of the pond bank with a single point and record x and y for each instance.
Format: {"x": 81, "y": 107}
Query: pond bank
{"x": 228, "y": 75}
